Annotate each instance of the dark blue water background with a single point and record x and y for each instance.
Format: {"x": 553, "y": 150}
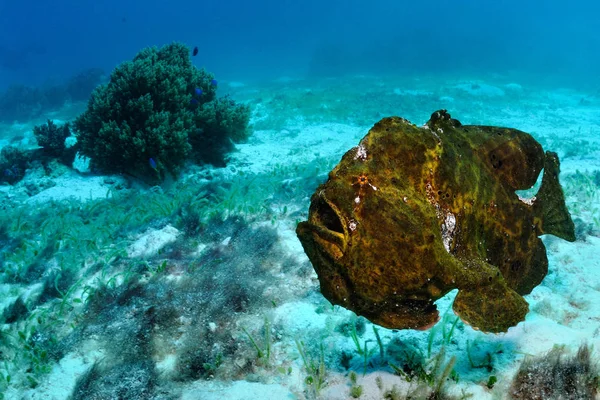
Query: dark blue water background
{"x": 49, "y": 41}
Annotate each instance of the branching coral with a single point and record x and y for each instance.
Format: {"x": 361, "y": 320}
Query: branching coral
{"x": 154, "y": 113}
{"x": 222, "y": 122}
{"x": 13, "y": 163}
{"x": 51, "y": 138}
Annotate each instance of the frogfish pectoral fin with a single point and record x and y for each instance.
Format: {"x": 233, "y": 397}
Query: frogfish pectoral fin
{"x": 493, "y": 308}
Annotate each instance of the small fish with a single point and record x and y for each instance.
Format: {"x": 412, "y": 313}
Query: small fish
{"x": 12, "y": 171}
{"x": 195, "y": 51}
{"x": 198, "y": 92}
{"x": 194, "y": 101}
{"x": 152, "y": 163}
{"x": 214, "y": 82}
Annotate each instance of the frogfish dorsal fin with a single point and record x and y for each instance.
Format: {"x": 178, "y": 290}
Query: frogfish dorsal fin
{"x": 513, "y": 156}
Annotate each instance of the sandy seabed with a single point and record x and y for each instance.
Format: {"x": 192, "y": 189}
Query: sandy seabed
{"x": 301, "y": 130}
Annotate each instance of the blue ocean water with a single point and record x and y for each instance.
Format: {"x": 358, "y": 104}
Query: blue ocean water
{"x": 51, "y": 41}
{"x": 150, "y": 196}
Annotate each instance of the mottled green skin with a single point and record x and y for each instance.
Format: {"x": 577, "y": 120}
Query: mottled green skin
{"x": 378, "y": 229}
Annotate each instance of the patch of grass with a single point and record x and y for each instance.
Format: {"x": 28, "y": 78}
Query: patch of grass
{"x": 380, "y": 344}
{"x": 447, "y": 326}
{"x": 262, "y": 352}
{"x": 356, "y": 329}
{"x": 62, "y": 244}
{"x": 314, "y": 367}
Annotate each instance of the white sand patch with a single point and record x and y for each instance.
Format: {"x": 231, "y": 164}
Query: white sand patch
{"x": 268, "y": 149}
{"x": 338, "y": 387}
{"x": 480, "y": 89}
{"x": 513, "y": 87}
{"x": 151, "y": 241}
{"x": 79, "y": 187}
{"x": 299, "y": 316}
{"x": 167, "y": 365}
{"x": 412, "y": 92}
{"x": 60, "y": 382}
{"x": 234, "y": 84}
{"x": 539, "y": 334}
{"x": 238, "y": 390}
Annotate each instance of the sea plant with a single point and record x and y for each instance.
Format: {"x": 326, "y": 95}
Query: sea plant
{"x": 406, "y": 359}
{"x": 487, "y": 362}
{"x": 446, "y": 326}
{"x": 432, "y": 379}
{"x": 355, "y": 340}
{"x": 220, "y": 123}
{"x": 156, "y": 112}
{"x": 356, "y": 391}
{"x": 491, "y": 381}
{"x": 72, "y": 240}
{"x": 557, "y": 375}
{"x": 13, "y": 163}
{"x": 263, "y": 353}
{"x": 314, "y": 367}
{"x": 51, "y": 138}
{"x": 380, "y": 344}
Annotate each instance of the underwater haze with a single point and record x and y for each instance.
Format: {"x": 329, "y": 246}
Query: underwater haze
{"x": 49, "y": 41}
{"x": 299, "y": 200}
